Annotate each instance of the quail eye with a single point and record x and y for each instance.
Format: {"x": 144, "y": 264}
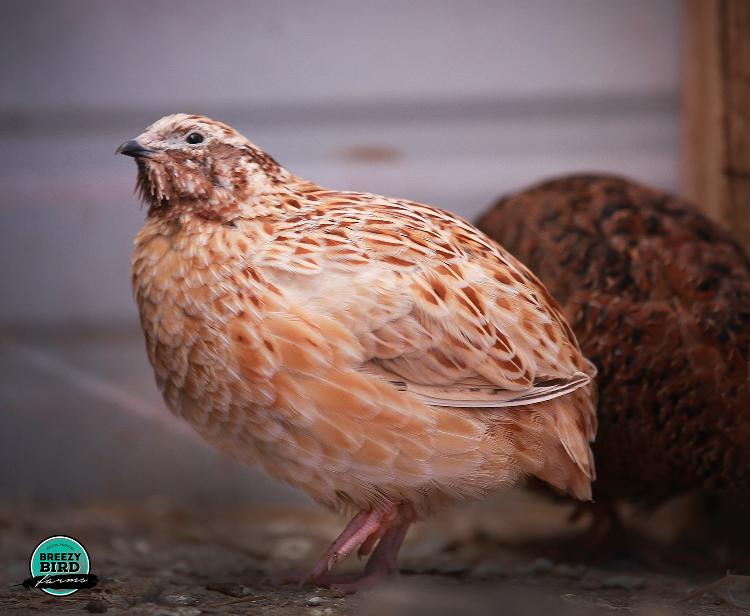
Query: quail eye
{"x": 194, "y": 138}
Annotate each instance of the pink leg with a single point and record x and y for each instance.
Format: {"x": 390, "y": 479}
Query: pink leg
{"x": 357, "y": 532}
{"x": 384, "y": 560}
{"x": 385, "y": 557}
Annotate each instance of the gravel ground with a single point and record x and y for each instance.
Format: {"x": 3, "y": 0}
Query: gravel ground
{"x": 155, "y": 558}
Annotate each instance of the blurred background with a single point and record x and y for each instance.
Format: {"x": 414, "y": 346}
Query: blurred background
{"x": 449, "y": 103}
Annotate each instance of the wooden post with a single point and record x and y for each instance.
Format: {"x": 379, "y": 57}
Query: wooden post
{"x": 716, "y": 111}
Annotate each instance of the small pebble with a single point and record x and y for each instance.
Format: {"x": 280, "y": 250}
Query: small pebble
{"x": 321, "y": 611}
{"x": 97, "y": 606}
{"x": 178, "y": 600}
{"x": 229, "y": 588}
{"x": 313, "y": 601}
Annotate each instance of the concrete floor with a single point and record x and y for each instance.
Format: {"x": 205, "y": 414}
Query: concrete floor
{"x": 157, "y": 559}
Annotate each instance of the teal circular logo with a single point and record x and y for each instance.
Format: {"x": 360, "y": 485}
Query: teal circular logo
{"x": 59, "y": 561}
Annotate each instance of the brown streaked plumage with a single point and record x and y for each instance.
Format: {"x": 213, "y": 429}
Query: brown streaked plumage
{"x": 659, "y": 298}
{"x": 381, "y": 355}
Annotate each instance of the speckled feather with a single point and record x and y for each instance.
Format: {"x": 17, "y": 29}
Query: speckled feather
{"x": 363, "y": 349}
{"x": 659, "y": 298}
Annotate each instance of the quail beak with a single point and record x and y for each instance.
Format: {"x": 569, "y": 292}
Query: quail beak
{"x": 134, "y": 149}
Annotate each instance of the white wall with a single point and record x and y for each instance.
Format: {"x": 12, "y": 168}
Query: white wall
{"x": 466, "y": 100}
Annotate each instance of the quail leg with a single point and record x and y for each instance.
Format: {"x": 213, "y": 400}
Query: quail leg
{"x": 383, "y": 562}
{"x": 363, "y": 530}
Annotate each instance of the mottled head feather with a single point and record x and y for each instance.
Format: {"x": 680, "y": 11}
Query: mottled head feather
{"x": 217, "y": 175}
